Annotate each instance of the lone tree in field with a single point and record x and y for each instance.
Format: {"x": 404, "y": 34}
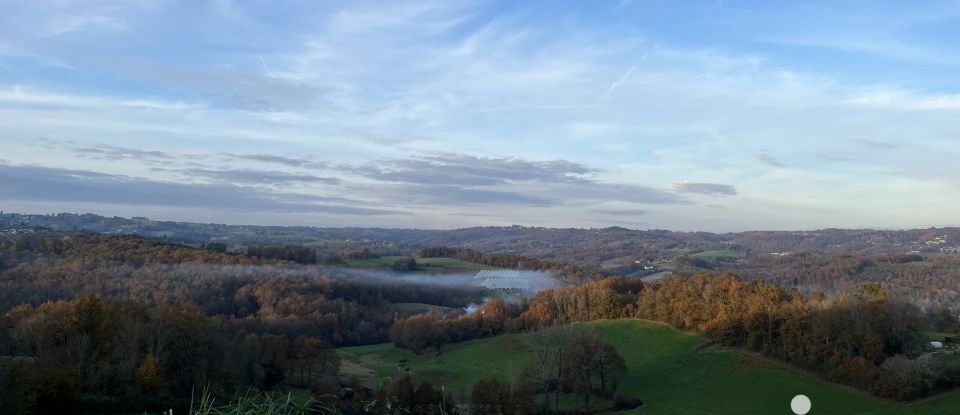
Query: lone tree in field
{"x": 573, "y": 359}
{"x": 404, "y": 264}
{"x": 590, "y": 366}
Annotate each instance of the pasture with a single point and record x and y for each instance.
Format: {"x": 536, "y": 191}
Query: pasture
{"x": 424, "y": 265}
{"x": 723, "y": 253}
{"x": 671, "y": 371}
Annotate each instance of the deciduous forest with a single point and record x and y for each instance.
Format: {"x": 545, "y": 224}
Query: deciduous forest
{"x": 123, "y": 323}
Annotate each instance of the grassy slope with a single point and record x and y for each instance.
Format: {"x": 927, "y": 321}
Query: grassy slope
{"x": 424, "y": 265}
{"x": 666, "y": 370}
{"x": 457, "y": 368}
{"x": 716, "y": 254}
{"x": 450, "y": 263}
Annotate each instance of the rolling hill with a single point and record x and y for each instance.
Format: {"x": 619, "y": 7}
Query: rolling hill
{"x": 671, "y": 371}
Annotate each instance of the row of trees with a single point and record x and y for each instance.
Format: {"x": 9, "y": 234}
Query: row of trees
{"x": 333, "y": 305}
{"x": 926, "y": 281}
{"x": 427, "y": 332}
{"x": 566, "y": 271}
{"x": 609, "y": 298}
{"x": 569, "y": 360}
{"x": 832, "y": 260}
{"x": 295, "y": 253}
{"x": 865, "y": 339}
{"x": 572, "y": 359}
{"x": 102, "y": 323}
{"x": 129, "y": 356}
{"x": 250, "y": 306}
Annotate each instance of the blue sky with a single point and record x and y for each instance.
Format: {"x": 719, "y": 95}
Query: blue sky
{"x": 715, "y": 115}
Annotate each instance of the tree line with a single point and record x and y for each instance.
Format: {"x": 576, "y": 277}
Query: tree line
{"x": 566, "y": 271}
{"x": 69, "y": 303}
{"x": 100, "y": 323}
{"x": 927, "y": 281}
{"x": 568, "y": 361}
{"x": 866, "y": 339}
{"x": 296, "y": 253}
{"x": 94, "y": 355}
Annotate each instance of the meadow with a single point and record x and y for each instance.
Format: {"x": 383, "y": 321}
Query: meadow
{"x": 673, "y": 372}
{"x": 424, "y": 265}
{"x": 722, "y": 253}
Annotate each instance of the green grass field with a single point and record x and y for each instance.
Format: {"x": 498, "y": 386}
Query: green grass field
{"x": 450, "y": 263}
{"x": 421, "y": 307}
{"x": 668, "y": 370}
{"x": 383, "y": 261}
{"x": 935, "y": 336}
{"x": 424, "y": 265}
{"x": 717, "y": 254}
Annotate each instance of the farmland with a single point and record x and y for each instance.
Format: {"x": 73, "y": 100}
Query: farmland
{"x": 424, "y": 265}
{"x": 672, "y": 371}
{"x": 723, "y": 253}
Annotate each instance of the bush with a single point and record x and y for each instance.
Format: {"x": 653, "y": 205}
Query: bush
{"x": 404, "y": 264}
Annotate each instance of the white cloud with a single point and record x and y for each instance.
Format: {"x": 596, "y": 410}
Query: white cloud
{"x": 71, "y": 24}
{"x": 371, "y": 81}
{"x": 906, "y": 100}
{"x": 18, "y": 94}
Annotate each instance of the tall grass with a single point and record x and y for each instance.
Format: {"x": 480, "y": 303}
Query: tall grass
{"x": 260, "y": 404}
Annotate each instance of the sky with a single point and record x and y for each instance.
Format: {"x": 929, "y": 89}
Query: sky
{"x": 720, "y": 115}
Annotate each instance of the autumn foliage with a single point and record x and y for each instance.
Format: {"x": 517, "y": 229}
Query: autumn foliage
{"x": 865, "y": 339}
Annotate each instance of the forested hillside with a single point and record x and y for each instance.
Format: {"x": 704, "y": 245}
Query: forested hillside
{"x": 585, "y": 246}
{"x": 930, "y": 281}
{"x": 863, "y": 338}
{"x": 126, "y": 323}
{"x": 122, "y": 322}
{"x": 671, "y": 371}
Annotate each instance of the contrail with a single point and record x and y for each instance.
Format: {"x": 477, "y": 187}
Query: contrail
{"x": 259, "y": 57}
{"x": 619, "y": 82}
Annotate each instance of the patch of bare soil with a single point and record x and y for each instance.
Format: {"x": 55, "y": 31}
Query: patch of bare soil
{"x": 511, "y": 342}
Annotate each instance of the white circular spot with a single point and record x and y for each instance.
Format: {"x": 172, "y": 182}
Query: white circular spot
{"x": 800, "y": 404}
